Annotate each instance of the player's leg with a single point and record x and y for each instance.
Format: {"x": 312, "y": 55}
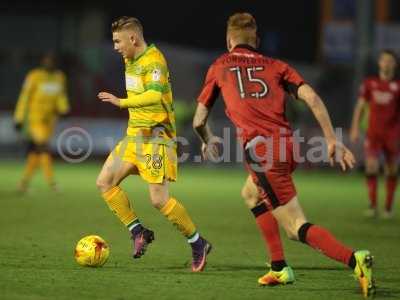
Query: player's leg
{"x": 372, "y": 150}
{"x": 176, "y": 213}
{"x": 270, "y": 178}
{"x": 41, "y": 134}
{"x": 391, "y": 169}
{"x": 280, "y": 273}
{"x": 113, "y": 172}
{"x": 46, "y": 162}
{"x": 250, "y": 193}
{"x": 391, "y": 184}
{"x": 371, "y": 172}
{"x": 108, "y": 180}
{"x": 292, "y": 219}
{"x": 266, "y": 223}
{"x": 31, "y": 165}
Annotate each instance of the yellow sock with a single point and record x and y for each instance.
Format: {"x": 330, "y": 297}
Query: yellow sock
{"x": 177, "y": 214}
{"x": 118, "y": 202}
{"x": 47, "y": 166}
{"x": 32, "y": 163}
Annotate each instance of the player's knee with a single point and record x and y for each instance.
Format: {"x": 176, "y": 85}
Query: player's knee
{"x": 391, "y": 170}
{"x": 103, "y": 185}
{"x": 371, "y": 167}
{"x": 159, "y": 195}
{"x": 292, "y": 235}
{"x": 292, "y": 230}
{"x": 251, "y": 202}
{"x": 244, "y": 193}
{"x": 158, "y": 201}
{"x": 249, "y": 199}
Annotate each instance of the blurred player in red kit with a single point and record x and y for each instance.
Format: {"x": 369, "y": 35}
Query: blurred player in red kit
{"x": 382, "y": 96}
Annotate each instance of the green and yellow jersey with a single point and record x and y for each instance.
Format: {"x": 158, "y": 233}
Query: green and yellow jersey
{"x": 150, "y": 103}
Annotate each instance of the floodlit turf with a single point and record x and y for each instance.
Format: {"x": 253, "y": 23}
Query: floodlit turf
{"x": 38, "y": 233}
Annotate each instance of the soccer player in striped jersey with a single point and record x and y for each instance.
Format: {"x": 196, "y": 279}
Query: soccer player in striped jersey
{"x": 149, "y": 148}
{"x": 253, "y": 87}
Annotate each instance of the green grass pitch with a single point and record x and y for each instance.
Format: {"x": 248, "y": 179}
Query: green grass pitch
{"x": 38, "y": 233}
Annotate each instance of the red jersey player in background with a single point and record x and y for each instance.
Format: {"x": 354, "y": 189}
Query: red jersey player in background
{"x": 382, "y": 95}
{"x": 253, "y": 87}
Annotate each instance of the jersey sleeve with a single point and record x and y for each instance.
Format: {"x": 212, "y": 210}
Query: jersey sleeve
{"x": 364, "y": 91}
{"x": 210, "y": 90}
{"x": 156, "y": 76}
{"x": 291, "y": 80}
{"x": 23, "y": 99}
{"x": 62, "y": 100}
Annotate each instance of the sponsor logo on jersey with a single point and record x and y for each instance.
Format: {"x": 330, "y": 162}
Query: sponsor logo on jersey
{"x": 394, "y": 86}
{"x": 50, "y": 88}
{"x": 382, "y": 98}
{"x": 133, "y": 83}
{"x": 156, "y": 75}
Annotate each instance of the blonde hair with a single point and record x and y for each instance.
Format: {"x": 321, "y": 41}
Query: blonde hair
{"x": 127, "y": 23}
{"x": 243, "y": 27}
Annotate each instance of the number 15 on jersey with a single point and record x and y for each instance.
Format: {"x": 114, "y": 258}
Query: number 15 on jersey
{"x": 250, "y": 73}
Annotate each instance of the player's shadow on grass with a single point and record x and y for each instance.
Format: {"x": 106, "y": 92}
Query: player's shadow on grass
{"x": 387, "y": 293}
{"x": 12, "y": 193}
{"x": 220, "y": 268}
{"x": 319, "y": 268}
{"x": 247, "y": 267}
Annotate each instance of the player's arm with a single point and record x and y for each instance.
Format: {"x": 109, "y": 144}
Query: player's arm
{"x": 206, "y": 101}
{"x": 21, "y": 108}
{"x": 200, "y": 124}
{"x": 147, "y": 98}
{"x": 336, "y": 150}
{"x": 363, "y": 97}
{"x": 202, "y": 129}
{"x": 357, "y": 116}
{"x": 62, "y": 101}
{"x": 318, "y": 108}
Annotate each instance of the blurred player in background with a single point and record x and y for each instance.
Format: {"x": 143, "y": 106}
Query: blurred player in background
{"x": 43, "y": 98}
{"x": 381, "y": 96}
{"x": 149, "y": 149}
{"x": 253, "y": 87}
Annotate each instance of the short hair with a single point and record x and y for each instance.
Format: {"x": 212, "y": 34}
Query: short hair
{"x": 243, "y": 26}
{"x": 390, "y": 52}
{"x": 127, "y": 23}
{"x": 242, "y": 21}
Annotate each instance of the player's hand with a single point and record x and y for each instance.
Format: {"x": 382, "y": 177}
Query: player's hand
{"x": 338, "y": 153}
{"x": 210, "y": 150}
{"x": 63, "y": 115}
{"x": 107, "y": 97}
{"x": 354, "y": 135}
{"x": 18, "y": 126}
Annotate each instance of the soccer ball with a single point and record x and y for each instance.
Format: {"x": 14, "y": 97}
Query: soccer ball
{"x": 92, "y": 251}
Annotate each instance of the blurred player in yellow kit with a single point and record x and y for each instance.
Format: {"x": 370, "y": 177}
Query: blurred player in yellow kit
{"x": 42, "y": 99}
{"x": 149, "y": 148}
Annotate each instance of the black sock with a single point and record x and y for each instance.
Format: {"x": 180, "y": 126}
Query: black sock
{"x": 278, "y": 265}
{"x": 260, "y": 209}
{"x": 352, "y": 262}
